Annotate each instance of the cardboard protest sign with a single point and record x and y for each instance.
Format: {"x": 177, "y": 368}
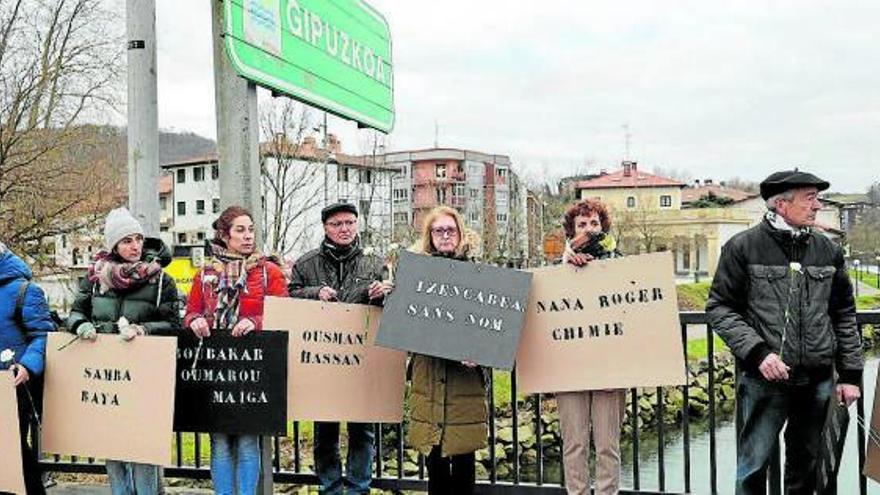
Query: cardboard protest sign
{"x": 109, "y": 398}
{"x": 229, "y": 384}
{"x": 336, "y": 373}
{"x": 11, "y": 474}
{"x": 455, "y": 310}
{"x": 611, "y": 324}
{"x": 871, "y": 469}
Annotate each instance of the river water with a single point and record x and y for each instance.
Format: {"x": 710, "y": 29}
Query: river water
{"x": 726, "y": 455}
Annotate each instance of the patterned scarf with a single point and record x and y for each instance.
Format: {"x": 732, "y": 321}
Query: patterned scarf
{"x": 779, "y": 223}
{"x": 109, "y": 272}
{"x": 231, "y": 270}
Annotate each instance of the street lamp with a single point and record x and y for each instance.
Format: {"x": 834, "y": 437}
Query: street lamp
{"x": 878, "y": 271}
{"x": 856, "y": 264}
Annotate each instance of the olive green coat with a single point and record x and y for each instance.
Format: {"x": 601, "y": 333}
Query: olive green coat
{"x": 447, "y": 406}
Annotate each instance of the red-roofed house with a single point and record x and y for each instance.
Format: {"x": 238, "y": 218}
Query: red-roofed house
{"x": 647, "y": 216}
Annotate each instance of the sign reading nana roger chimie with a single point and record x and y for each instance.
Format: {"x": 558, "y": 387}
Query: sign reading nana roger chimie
{"x": 333, "y": 54}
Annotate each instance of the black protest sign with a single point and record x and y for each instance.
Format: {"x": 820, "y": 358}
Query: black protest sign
{"x": 456, "y": 310}
{"x": 234, "y": 385}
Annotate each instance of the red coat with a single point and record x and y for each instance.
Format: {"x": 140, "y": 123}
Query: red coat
{"x": 203, "y": 300}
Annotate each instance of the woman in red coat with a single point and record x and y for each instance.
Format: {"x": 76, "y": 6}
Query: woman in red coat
{"x": 227, "y": 296}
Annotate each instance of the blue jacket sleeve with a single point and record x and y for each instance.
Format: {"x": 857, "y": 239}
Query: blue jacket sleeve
{"x": 37, "y": 323}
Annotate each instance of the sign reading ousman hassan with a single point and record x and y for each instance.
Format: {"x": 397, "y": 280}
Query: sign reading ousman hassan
{"x": 456, "y": 310}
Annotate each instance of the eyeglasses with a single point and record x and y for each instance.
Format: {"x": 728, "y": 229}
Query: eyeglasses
{"x": 347, "y": 223}
{"x": 444, "y": 231}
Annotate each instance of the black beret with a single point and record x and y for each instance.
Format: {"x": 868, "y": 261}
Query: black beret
{"x": 335, "y": 208}
{"x": 779, "y": 182}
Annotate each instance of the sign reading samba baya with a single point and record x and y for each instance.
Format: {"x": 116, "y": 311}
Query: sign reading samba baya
{"x": 335, "y": 55}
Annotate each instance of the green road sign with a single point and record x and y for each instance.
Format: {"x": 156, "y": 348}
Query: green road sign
{"x": 333, "y": 54}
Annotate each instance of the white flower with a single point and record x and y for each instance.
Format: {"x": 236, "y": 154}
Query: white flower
{"x": 7, "y": 355}
{"x": 795, "y": 267}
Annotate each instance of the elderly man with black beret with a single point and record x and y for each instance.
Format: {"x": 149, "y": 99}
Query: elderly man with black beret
{"x": 782, "y": 301}
{"x": 339, "y": 270}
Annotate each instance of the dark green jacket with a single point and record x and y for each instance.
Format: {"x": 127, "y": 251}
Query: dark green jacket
{"x": 350, "y": 274}
{"x": 757, "y": 297}
{"x": 140, "y": 305}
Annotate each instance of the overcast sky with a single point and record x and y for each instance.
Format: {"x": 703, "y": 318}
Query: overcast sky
{"x": 713, "y": 89}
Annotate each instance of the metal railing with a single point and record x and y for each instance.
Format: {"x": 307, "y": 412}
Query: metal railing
{"x": 395, "y": 479}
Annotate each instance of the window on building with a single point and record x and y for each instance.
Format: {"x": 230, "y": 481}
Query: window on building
{"x": 401, "y": 217}
{"x": 200, "y": 236}
{"x": 199, "y": 174}
{"x": 473, "y": 193}
{"x": 501, "y": 172}
{"x": 63, "y": 241}
{"x": 215, "y": 205}
{"x": 401, "y": 194}
{"x": 665, "y": 201}
{"x": 181, "y": 208}
{"x": 163, "y": 202}
{"x": 163, "y": 228}
{"x": 366, "y": 176}
{"x": 473, "y": 218}
{"x": 181, "y": 176}
{"x": 441, "y": 170}
{"x": 342, "y": 174}
{"x": 458, "y": 190}
{"x": 200, "y": 207}
{"x": 215, "y": 172}
{"x": 365, "y": 207}
{"x": 630, "y": 201}
{"x": 501, "y": 217}
{"x": 441, "y": 195}
{"x": 181, "y": 238}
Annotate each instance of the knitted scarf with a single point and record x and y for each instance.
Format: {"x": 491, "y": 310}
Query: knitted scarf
{"x": 231, "y": 270}
{"x": 111, "y": 272}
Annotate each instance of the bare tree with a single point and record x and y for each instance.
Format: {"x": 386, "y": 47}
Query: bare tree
{"x": 372, "y": 148}
{"x": 640, "y": 228}
{"x": 59, "y": 65}
{"x": 292, "y": 175}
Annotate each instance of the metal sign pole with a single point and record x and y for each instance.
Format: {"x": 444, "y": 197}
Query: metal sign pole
{"x": 143, "y": 115}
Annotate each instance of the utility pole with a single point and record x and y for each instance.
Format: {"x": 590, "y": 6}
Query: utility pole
{"x": 237, "y": 132}
{"x": 238, "y": 141}
{"x": 143, "y": 115}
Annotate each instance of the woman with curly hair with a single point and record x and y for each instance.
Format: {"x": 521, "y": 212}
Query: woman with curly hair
{"x": 586, "y": 225}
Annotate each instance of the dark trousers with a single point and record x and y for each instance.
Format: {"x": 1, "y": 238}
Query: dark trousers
{"x": 33, "y": 474}
{"x": 764, "y": 408}
{"x": 453, "y": 475}
{"x": 359, "y": 461}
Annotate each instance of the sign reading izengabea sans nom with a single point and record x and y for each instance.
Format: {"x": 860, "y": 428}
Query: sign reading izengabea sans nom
{"x": 333, "y": 55}
{"x": 455, "y": 310}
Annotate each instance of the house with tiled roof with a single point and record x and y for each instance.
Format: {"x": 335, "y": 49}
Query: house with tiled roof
{"x": 649, "y": 213}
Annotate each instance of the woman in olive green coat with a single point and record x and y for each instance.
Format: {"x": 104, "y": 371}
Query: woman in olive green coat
{"x": 449, "y": 414}
{"x": 127, "y": 293}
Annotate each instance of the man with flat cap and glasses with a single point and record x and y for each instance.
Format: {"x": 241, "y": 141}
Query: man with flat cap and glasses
{"x": 339, "y": 270}
{"x": 782, "y": 301}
